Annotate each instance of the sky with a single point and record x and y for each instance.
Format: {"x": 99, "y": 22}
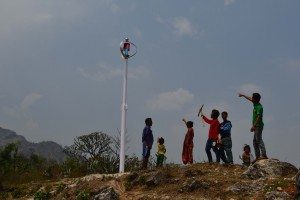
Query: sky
{"x": 61, "y": 70}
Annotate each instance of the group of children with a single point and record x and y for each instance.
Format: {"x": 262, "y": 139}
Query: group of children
{"x": 219, "y": 138}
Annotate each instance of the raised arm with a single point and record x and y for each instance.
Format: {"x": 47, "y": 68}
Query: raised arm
{"x": 184, "y": 120}
{"x": 209, "y": 121}
{"x": 245, "y": 96}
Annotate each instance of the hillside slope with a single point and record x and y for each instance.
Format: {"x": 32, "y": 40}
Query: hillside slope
{"x": 46, "y": 149}
{"x": 266, "y": 179}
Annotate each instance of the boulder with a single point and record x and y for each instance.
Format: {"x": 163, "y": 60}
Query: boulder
{"x": 269, "y": 168}
{"x": 132, "y": 177}
{"x": 131, "y": 180}
{"x": 193, "y": 185}
{"x": 246, "y": 187}
{"x": 192, "y": 173}
{"x": 297, "y": 191}
{"x": 275, "y": 195}
{"x": 107, "y": 193}
{"x": 156, "y": 178}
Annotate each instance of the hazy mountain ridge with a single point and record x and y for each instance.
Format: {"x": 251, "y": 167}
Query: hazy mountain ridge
{"x": 47, "y": 149}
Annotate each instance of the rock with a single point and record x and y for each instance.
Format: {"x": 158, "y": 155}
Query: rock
{"x": 131, "y": 180}
{"x": 157, "y": 178}
{"x": 297, "y": 191}
{"x": 279, "y": 189}
{"x": 107, "y": 193}
{"x": 274, "y": 195}
{"x": 132, "y": 177}
{"x": 269, "y": 168}
{"x": 247, "y": 187}
{"x": 192, "y": 173}
{"x": 193, "y": 185}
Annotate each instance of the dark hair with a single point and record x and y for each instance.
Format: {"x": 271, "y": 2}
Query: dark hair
{"x": 246, "y": 146}
{"x": 256, "y": 97}
{"x": 215, "y": 114}
{"x": 224, "y": 113}
{"x": 161, "y": 140}
{"x": 148, "y": 121}
{"x": 189, "y": 124}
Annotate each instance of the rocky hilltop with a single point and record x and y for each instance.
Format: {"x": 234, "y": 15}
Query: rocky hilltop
{"x": 47, "y": 149}
{"x": 266, "y": 179}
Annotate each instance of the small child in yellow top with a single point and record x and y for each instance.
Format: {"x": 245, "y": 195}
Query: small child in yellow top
{"x": 161, "y": 150}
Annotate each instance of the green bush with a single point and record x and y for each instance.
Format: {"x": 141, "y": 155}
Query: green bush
{"x": 83, "y": 195}
{"x": 42, "y": 195}
{"x": 60, "y": 187}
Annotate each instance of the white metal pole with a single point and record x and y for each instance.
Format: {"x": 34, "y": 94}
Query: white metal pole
{"x": 123, "y": 120}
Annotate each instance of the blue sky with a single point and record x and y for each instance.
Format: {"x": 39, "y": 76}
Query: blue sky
{"x": 61, "y": 71}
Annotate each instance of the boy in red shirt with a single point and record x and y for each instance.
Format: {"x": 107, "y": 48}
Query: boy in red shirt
{"x": 213, "y": 135}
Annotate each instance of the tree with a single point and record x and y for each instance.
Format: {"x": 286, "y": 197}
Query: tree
{"x": 91, "y": 146}
{"x": 8, "y": 158}
{"x": 98, "y": 153}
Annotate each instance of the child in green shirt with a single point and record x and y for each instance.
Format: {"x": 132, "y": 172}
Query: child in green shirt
{"x": 257, "y": 126}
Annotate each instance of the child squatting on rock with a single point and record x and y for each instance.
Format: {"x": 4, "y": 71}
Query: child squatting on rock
{"x": 247, "y": 157}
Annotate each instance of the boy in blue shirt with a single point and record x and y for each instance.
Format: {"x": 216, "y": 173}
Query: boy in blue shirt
{"x": 147, "y": 140}
{"x": 225, "y": 132}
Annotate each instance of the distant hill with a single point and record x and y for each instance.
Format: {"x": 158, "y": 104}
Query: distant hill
{"x": 46, "y": 149}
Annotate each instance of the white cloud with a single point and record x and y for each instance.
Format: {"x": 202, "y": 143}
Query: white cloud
{"x": 138, "y": 72}
{"x": 293, "y": 64}
{"x": 22, "y": 111}
{"x": 19, "y": 16}
{"x": 228, "y": 2}
{"x": 174, "y": 100}
{"x": 249, "y": 88}
{"x": 287, "y": 64}
{"x": 182, "y": 26}
{"x": 114, "y": 8}
{"x": 29, "y": 100}
{"x": 104, "y": 72}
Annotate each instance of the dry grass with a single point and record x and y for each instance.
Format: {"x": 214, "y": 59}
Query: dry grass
{"x": 217, "y": 177}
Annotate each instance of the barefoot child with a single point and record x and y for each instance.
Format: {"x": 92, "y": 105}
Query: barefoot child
{"x": 188, "y": 144}
{"x": 161, "y": 150}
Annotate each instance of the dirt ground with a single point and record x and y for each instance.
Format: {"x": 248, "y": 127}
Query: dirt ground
{"x": 211, "y": 181}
